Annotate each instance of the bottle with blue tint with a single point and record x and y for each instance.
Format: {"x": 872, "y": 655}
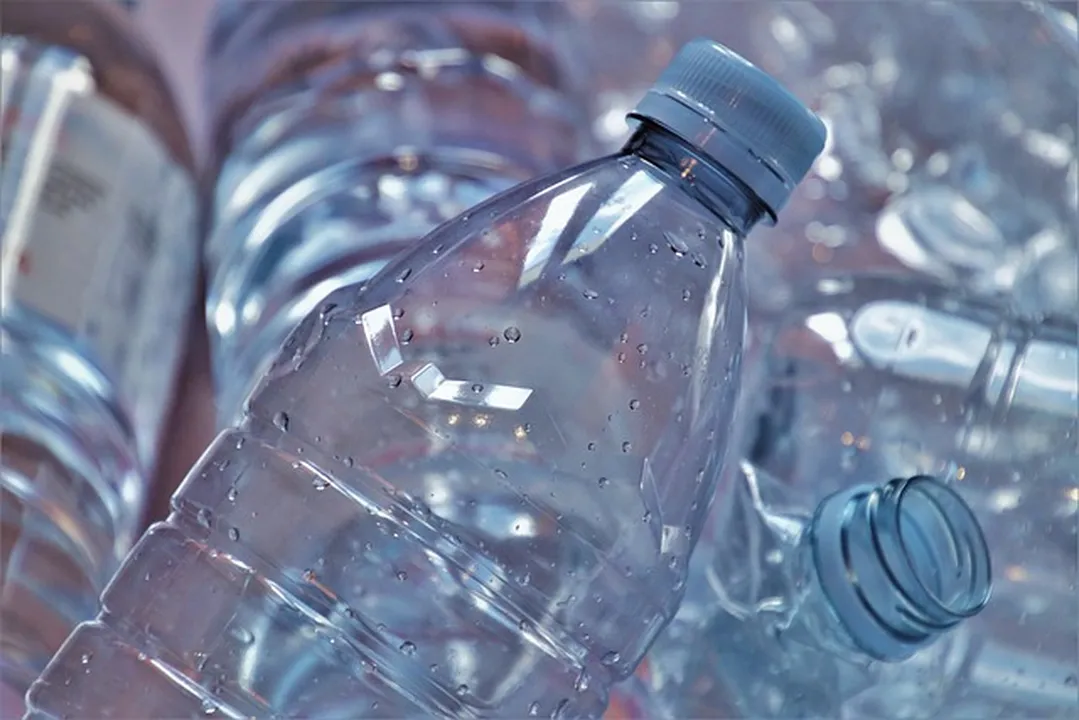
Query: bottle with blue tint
{"x": 815, "y": 594}
{"x": 97, "y": 218}
{"x": 471, "y": 487}
{"x": 348, "y": 130}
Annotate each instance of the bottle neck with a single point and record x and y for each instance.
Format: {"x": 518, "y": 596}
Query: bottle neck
{"x": 708, "y": 182}
{"x": 885, "y": 571}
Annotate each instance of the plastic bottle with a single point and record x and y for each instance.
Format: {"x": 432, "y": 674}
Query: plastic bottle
{"x": 470, "y": 488}
{"x": 349, "y": 130}
{"x": 98, "y": 275}
{"x": 881, "y": 377}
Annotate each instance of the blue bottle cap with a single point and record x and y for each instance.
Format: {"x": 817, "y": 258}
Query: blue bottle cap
{"x": 739, "y": 116}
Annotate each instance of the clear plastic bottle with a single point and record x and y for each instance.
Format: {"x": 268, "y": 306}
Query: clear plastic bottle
{"x": 471, "y": 487}
{"x": 348, "y": 130}
{"x": 888, "y": 377}
{"x": 99, "y": 263}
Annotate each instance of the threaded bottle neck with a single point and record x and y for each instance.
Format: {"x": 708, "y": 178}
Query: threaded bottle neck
{"x": 899, "y": 564}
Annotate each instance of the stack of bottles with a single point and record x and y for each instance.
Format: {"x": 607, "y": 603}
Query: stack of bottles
{"x": 469, "y": 482}
{"x": 494, "y": 441}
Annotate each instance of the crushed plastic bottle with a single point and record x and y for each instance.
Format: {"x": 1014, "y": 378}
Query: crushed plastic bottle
{"x": 471, "y": 487}
{"x": 865, "y": 379}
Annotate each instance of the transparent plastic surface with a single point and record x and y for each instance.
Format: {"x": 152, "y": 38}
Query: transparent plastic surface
{"x": 348, "y": 130}
{"x": 469, "y": 489}
{"x": 952, "y": 129}
{"x": 85, "y": 385}
{"x": 889, "y": 377}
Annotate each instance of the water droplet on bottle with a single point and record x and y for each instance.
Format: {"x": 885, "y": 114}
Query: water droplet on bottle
{"x": 320, "y": 483}
{"x": 603, "y": 482}
{"x": 402, "y": 575}
{"x": 204, "y": 517}
{"x": 676, "y": 244}
{"x": 621, "y": 357}
{"x": 642, "y": 348}
{"x": 512, "y": 334}
{"x": 393, "y": 380}
{"x": 478, "y": 267}
{"x": 610, "y": 658}
{"x": 627, "y": 446}
{"x": 653, "y": 248}
{"x": 234, "y": 534}
{"x": 634, "y": 404}
{"x": 433, "y": 667}
{"x": 406, "y": 336}
{"x": 86, "y": 658}
{"x": 349, "y": 462}
{"x": 590, "y": 294}
{"x": 208, "y": 707}
{"x": 239, "y": 443}
{"x": 408, "y": 648}
{"x": 462, "y": 690}
{"x": 501, "y": 473}
{"x": 686, "y": 295}
{"x": 699, "y": 260}
{"x": 477, "y": 387}
{"x": 647, "y": 517}
{"x": 232, "y": 493}
{"x": 493, "y": 340}
{"x": 582, "y": 681}
{"x": 280, "y": 420}
{"x": 533, "y": 709}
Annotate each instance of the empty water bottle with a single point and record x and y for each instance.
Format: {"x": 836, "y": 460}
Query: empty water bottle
{"x": 98, "y": 274}
{"x": 819, "y": 596}
{"x": 470, "y": 488}
{"x": 350, "y": 130}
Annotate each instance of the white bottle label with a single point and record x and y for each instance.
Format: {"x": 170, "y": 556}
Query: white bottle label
{"x": 111, "y": 254}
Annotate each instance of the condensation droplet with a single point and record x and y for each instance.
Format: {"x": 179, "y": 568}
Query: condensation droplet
{"x": 234, "y": 534}
{"x": 603, "y": 482}
{"x": 280, "y": 421}
{"x": 320, "y": 483}
{"x": 204, "y": 517}
{"x": 512, "y": 334}
{"x": 590, "y": 294}
{"x": 403, "y": 275}
{"x": 634, "y": 404}
{"x": 393, "y": 380}
{"x": 233, "y": 493}
{"x": 610, "y": 658}
{"x": 406, "y": 336}
{"x": 408, "y": 648}
{"x": 627, "y": 446}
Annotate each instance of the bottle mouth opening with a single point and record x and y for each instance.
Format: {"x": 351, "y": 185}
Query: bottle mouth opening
{"x": 933, "y": 550}
{"x": 900, "y": 563}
